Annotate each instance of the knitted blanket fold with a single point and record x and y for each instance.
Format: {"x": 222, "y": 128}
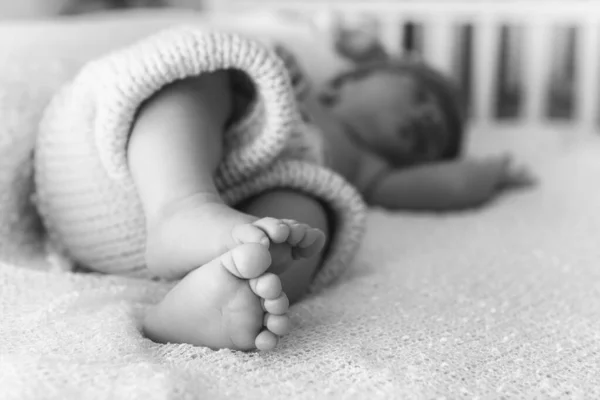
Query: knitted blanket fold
{"x": 83, "y": 189}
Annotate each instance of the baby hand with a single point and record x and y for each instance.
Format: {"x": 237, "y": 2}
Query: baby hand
{"x": 483, "y": 179}
{"x": 503, "y": 174}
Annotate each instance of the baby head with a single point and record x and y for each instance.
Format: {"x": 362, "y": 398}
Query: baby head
{"x": 404, "y": 110}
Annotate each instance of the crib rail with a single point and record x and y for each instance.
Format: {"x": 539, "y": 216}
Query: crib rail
{"x": 538, "y": 34}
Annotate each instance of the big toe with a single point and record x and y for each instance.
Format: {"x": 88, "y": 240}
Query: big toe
{"x": 246, "y": 261}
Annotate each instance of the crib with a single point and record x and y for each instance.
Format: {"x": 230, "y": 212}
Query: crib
{"x": 526, "y": 62}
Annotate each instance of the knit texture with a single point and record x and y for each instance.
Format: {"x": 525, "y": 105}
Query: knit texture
{"x": 84, "y": 191}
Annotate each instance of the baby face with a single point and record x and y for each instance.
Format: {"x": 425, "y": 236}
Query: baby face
{"x": 404, "y": 120}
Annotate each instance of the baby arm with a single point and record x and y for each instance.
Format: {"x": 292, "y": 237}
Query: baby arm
{"x": 446, "y": 186}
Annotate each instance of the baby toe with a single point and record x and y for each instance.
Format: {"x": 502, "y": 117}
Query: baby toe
{"x": 314, "y": 243}
{"x": 267, "y": 286}
{"x": 278, "y": 324}
{"x": 246, "y": 261}
{"x": 266, "y": 341}
{"x": 311, "y": 236}
{"x": 248, "y": 233}
{"x": 297, "y": 233}
{"x": 277, "y": 230}
{"x": 277, "y": 306}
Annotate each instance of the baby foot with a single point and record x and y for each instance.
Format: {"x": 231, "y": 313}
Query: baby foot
{"x": 230, "y": 302}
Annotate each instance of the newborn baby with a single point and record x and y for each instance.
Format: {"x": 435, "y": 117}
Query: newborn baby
{"x": 184, "y": 157}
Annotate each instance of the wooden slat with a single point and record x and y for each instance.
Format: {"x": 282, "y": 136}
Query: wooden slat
{"x": 440, "y": 43}
{"x": 588, "y": 70}
{"x": 392, "y": 32}
{"x": 537, "y": 61}
{"x": 485, "y": 51}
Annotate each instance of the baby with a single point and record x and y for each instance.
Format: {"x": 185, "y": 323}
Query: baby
{"x": 240, "y": 255}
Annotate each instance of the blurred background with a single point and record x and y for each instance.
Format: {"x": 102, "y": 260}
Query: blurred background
{"x": 357, "y": 37}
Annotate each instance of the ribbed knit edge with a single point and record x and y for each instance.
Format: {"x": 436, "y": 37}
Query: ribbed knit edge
{"x": 124, "y": 79}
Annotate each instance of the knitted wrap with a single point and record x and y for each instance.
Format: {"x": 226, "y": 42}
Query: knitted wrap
{"x": 85, "y": 193}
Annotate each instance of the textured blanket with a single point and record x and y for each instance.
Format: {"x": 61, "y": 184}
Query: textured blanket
{"x": 501, "y": 302}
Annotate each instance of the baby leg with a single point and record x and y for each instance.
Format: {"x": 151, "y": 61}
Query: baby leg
{"x": 174, "y": 151}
